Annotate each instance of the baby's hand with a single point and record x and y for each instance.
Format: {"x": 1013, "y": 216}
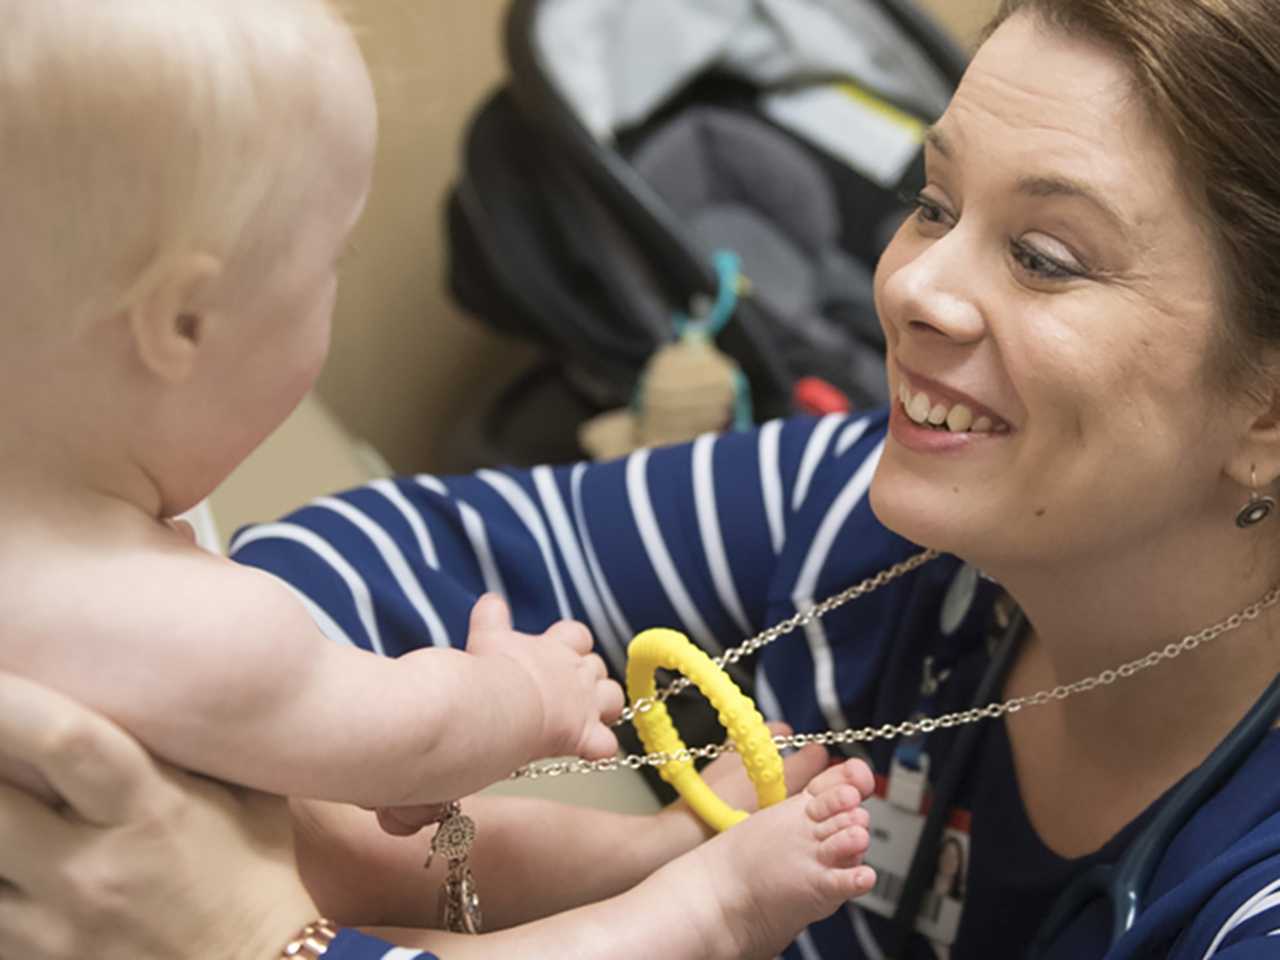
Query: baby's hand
{"x": 406, "y": 821}
{"x": 577, "y": 697}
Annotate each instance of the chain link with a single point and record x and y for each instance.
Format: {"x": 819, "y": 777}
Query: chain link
{"x": 887, "y": 731}
{"x": 794, "y": 622}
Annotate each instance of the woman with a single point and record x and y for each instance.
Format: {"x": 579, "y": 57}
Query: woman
{"x": 1078, "y": 325}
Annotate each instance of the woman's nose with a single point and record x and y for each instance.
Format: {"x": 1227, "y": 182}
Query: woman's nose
{"x": 934, "y": 293}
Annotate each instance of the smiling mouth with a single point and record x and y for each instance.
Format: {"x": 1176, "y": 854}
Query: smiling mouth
{"x": 937, "y": 414}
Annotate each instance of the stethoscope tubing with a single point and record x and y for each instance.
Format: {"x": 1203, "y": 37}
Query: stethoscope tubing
{"x": 1124, "y": 885}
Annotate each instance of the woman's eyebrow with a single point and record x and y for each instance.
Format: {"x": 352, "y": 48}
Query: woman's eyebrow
{"x": 938, "y": 140}
{"x": 1042, "y": 185}
{"x": 1058, "y": 186}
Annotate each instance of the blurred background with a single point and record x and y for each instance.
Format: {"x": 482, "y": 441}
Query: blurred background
{"x": 408, "y": 366}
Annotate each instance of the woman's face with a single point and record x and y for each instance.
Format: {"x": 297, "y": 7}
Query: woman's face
{"x": 1053, "y": 301}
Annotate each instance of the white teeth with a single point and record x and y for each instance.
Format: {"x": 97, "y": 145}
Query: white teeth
{"x": 959, "y": 419}
{"x": 919, "y": 407}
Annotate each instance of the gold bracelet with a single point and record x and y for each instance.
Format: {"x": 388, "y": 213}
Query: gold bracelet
{"x": 311, "y": 942}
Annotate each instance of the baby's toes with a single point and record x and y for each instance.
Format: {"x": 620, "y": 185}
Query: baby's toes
{"x": 845, "y": 884}
{"x": 844, "y": 848}
{"x": 833, "y": 801}
{"x": 853, "y": 772}
{"x": 848, "y": 818}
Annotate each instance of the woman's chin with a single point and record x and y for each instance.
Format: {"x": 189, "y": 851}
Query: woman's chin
{"x": 920, "y": 515}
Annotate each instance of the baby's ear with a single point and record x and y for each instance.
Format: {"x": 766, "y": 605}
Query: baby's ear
{"x": 165, "y": 314}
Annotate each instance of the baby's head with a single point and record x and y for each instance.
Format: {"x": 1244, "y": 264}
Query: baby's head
{"x": 177, "y": 179}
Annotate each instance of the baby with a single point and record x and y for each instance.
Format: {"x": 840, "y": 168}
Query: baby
{"x": 180, "y": 178}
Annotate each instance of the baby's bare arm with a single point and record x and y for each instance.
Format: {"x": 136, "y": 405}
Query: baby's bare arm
{"x": 219, "y": 669}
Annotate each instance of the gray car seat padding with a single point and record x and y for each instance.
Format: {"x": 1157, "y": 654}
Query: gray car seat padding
{"x": 739, "y": 184}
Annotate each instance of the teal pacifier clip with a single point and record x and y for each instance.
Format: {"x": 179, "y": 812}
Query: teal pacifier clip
{"x": 731, "y": 285}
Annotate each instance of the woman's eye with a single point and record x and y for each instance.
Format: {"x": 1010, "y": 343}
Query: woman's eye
{"x": 1041, "y": 265}
{"x": 929, "y": 211}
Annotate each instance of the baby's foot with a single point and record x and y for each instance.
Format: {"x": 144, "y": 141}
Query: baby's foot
{"x": 727, "y": 777}
{"x": 753, "y": 888}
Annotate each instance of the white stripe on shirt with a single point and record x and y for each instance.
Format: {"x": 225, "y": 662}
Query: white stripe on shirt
{"x": 806, "y": 583}
{"x": 335, "y": 561}
{"x": 545, "y": 482}
{"x": 403, "y": 953}
{"x": 656, "y": 548}
{"x": 768, "y": 702}
{"x": 804, "y": 943}
{"x": 473, "y": 527}
{"x": 813, "y": 451}
{"x": 851, "y": 435}
{"x": 771, "y": 482}
{"x": 704, "y": 499}
{"x": 396, "y": 563}
{"x": 411, "y": 517}
{"x": 523, "y": 506}
{"x": 1265, "y": 899}
{"x": 862, "y": 933}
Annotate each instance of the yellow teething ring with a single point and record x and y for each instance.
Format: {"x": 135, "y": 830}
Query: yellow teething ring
{"x": 671, "y": 650}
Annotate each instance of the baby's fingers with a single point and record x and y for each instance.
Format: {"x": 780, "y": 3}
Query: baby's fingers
{"x": 599, "y": 743}
{"x": 609, "y": 700}
{"x": 572, "y": 634}
{"x": 490, "y": 615}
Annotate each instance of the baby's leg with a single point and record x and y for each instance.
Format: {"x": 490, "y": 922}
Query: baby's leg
{"x": 742, "y": 895}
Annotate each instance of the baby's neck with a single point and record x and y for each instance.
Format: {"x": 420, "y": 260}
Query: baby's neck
{"x": 57, "y": 481}
{"x": 70, "y": 435}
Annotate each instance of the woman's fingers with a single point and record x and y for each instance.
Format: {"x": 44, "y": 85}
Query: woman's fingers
{"x": 97, "y": 769}
{"x": 406, "y": 821}
{"x": 32, "y": 837}
{"x": 27, "y": 931}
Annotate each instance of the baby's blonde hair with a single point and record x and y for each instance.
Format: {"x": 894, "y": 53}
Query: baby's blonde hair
{"x": 132, "y": 130}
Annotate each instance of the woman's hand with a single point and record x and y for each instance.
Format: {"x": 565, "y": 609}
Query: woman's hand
{"x": 133, "y": 860}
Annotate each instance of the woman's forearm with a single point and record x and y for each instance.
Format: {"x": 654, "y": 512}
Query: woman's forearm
{"x": 532, "y": 858}
{"x": 618, "y": 928}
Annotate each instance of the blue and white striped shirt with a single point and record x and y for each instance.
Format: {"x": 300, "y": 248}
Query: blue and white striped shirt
{"x": 720, "y": 538}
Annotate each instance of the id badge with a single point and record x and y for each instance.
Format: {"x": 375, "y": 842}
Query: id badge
{"x": 897, "y": 812}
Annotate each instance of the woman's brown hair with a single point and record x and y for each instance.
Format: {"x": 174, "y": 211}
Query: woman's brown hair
{"x": 1209, "y": 73}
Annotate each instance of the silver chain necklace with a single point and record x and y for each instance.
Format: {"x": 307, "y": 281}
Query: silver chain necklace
{"x": 907, "y": 728}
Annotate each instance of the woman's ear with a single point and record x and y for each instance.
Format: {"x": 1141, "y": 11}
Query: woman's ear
{"x": 166, "y": 315}
{"x": 1256, "y": 462}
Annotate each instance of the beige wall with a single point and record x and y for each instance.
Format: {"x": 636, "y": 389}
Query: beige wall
{"x": 404, "y": 361}
{"x": 402, "y": 357}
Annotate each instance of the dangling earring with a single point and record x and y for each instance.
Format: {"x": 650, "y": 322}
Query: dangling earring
{"x": 1259, "y": 506}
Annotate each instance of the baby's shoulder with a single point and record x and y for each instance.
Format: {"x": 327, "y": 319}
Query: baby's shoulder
{"x": 67, "y": 598}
